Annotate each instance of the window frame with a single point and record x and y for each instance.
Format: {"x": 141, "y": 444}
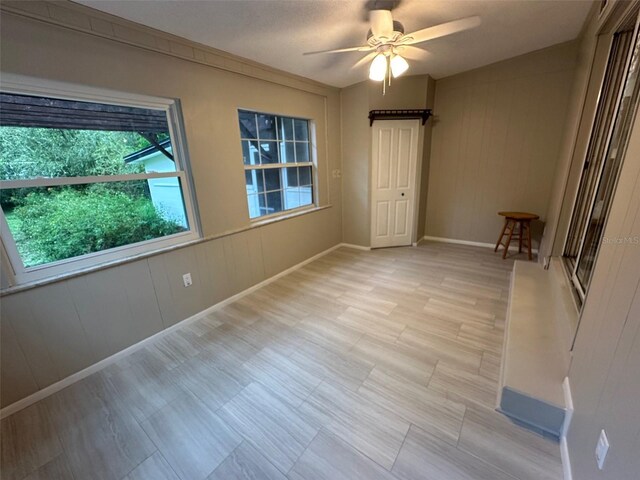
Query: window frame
{"x": 579, "y": 235}
{"x": 312, "y": 163}
{"x": 22, "y": 85}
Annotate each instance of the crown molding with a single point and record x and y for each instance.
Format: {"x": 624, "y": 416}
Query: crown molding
{"x": 84, "y": 19}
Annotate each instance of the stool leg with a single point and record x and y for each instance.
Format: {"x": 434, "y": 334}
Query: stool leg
{"x": 504, "y": 227}
{"x": 521, "y": 226}
{"x": 506, "y": 247}
{"x": 529, "y": 240}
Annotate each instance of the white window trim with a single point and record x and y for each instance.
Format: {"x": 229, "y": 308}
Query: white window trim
{"x": 19, "y": 84}
{"x": 311, "y": 163}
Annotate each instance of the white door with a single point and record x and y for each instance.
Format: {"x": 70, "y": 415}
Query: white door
{"x": 393, "y": 182}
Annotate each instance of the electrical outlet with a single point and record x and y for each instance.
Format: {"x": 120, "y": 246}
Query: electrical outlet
{"x": 186, "y": 279}
{"x": 336, "y": 173}
{"x": 601, "y": 449}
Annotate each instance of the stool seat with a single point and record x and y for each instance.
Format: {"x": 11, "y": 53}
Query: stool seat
{"x": 520, "y": 215}
{"x": 523, "y": 221}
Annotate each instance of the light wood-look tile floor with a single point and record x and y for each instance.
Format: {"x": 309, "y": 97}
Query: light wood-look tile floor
{"x": 360, "y": 365}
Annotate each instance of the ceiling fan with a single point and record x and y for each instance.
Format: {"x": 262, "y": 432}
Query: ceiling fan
{"x": 386, "y": 41}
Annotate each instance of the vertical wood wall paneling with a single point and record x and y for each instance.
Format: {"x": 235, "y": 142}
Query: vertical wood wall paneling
{"x": 356, "y": 146}
{"x": 604, "y": 370}
{"x": 30, "y": 338}
{"x": 60, "y": 325}
{"x": 16, "y": 377}
{"x": 176, "y": 301}
{"x": 426, "y": 160}
{"x": 495, "y": 142}
{"x": 104, "y": 309}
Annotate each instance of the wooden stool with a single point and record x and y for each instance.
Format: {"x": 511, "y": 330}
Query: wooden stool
{"x": 510, "y": 221}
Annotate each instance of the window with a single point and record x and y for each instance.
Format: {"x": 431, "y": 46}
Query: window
{"x": 83, "y": 182}
{"x": 278, "y": 167}
{"x": 614, "y": 115}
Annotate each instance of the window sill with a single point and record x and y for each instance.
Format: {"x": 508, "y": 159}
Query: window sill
{"x": 121, "y": 261}
{"x": 275, "y": 217}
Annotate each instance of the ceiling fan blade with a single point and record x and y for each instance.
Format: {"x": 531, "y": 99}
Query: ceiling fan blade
{"x": 413, "y": 53}
{"x": 364, "y": 60}
{"x": 341, "y": 50}
{"x": 440, "y": 30}
{"x": 381, "y": 23}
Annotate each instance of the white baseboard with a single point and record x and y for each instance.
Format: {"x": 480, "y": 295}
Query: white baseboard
{"x": 353, "y": 245}
{"x": 566, "y": 462}
{"x": 420, "y": 240}
{"x": 568, "y": 406}
{"x": 71, "y": 379}
{"x": 564, "y": 447}
{"x": 470, "y": 243}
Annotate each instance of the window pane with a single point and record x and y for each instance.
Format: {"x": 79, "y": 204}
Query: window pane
{"x": 281, "y": 140}
{"x": 304, "y": 174}
{"x": 302, "y": 152}
{"x": 250, "y": 152}
{"x": 269, "y": 152}
{"x": 292, "y": 176}
{"x": 306, "y": 195}
{"x": 287, "y": 152}
{"x": 291, "y": 197}
{"x": 302, "y": 129}
{"x": 248, "y": 126}
{"x": 27, "y": 153}
{"x": 254, "y": 205}
{"x": 254, "y": 180}
{"x": 272, "y": 179}
{"x": 285, "y": 128}
{"x": 266, "y": 126}
{"x": 57, "y": 223}
{"x": 274, "y": 202}
{"x": 262, "y": 201}
{"x": 47, "y": 137}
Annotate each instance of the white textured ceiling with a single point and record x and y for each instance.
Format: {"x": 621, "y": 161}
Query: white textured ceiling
{"x": 277, "y": 32}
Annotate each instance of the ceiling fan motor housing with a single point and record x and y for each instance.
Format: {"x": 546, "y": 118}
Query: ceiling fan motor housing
{"x": 398, "y": 29}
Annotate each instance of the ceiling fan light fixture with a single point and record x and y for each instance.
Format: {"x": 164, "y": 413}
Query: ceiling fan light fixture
{"x": 398, "y": 66}
{"x": 378, "y": 68}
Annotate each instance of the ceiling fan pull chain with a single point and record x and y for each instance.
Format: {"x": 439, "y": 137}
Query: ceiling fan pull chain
{"x": 384, "y": 81}
{"x": 387, "y": 77}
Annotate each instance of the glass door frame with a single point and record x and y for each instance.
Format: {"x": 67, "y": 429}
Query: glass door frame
{"x": 571, "y": 264}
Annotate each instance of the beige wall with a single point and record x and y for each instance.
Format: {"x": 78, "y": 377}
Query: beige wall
{"x": 406, "y": 92}
{"x": 356, "y": 148}
{"x": 53, "y": 331}
{"x": 426, "y": 160}
{"x": 497, "y": 133}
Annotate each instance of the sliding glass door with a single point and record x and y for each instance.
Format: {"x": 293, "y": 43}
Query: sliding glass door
{"x": 614, "y": 116}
